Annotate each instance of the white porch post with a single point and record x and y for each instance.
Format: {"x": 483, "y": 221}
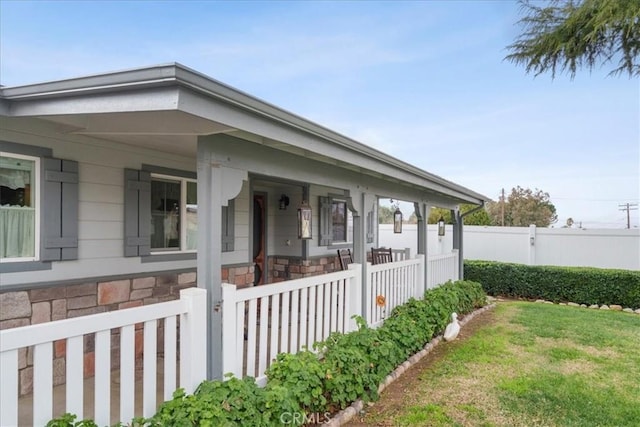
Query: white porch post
{"x": 367, "y": 201}
{"x": 458, "y": 224}
{"x": 422, "y": 213}
{"x": 217, "y": 184}
{"x": 427, "y": 211}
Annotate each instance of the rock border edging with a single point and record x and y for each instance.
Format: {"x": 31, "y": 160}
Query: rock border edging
{"x": 614, "y": 307}
{"x": 348, "y": 413}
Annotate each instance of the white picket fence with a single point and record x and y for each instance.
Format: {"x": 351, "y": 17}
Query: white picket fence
{"x": 190, "y": 309}
{"x": 442, "y": 268}
{"x": 258, "y": 323}
{"x": 395, "y": 283}
{"x": 285, "y": 317}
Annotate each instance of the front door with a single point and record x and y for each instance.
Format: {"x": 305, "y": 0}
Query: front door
{"x": 259, "y": 233}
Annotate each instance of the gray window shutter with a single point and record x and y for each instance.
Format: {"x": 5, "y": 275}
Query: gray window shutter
{"x": 326, "y": 232}
{"x": 370, "y": 224}
{"x": 228, "y": 227}
{"x": 59, "y": 210}
{"x": 137, "y": 213}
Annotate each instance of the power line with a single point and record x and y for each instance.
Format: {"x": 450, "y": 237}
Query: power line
{"x": 628, "y": 207}
{"x": 579, "y": 199}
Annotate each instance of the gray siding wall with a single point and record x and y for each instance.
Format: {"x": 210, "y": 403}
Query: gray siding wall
{"x": 101, "y": 204}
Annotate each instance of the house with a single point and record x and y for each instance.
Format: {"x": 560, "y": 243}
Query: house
{"x": 120, "y": 189}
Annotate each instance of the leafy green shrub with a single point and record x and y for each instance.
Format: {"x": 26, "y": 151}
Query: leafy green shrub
{"x": 577, "y": 284}
{"x": 408, "y": 327}
{"x": 349, "y": 374}
{"x": 214, "y": 403}
{"x": 69, "y": 420}
{"x": 354, "y": 364}
{"x": 302, "y": 374}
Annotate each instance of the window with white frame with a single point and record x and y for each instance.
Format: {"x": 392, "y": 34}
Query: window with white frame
{"x": 19, "y": 207}
{"x": 336, "y": 222}
{"x": 161, "y": 215}
{"x": 38, "y": 208}
{"x": 174, "y": 214}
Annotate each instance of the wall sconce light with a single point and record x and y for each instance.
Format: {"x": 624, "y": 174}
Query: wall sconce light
{"x": 284, "y": 202}
{"x": 304, "y": 221}
{"x": 397, "y": 221}
{"x": 441, "y": 227}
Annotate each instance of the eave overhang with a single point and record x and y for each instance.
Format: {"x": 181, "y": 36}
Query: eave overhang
{"x": 176, "y": 88}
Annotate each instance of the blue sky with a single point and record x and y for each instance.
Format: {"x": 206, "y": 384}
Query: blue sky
{"x": 423, "y": 81}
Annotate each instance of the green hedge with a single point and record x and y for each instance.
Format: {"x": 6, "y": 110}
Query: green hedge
{"x": 305, "y": 388}
{"x": 582, "y": 285}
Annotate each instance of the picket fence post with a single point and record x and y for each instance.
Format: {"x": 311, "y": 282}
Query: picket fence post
{"x": 355, "y": 296}
{"x": 421, "y": 285}
{"x": 193, "y": 342}
{"x": 231, "y": 361}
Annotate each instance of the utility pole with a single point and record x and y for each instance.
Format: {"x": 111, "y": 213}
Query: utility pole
{"x": 628, "y": 207}
{"x": 502, "y": 206}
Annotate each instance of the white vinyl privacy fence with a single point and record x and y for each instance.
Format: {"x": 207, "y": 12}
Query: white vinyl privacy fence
{"x": 189, "y": 362}
{"x": 604, "y": 248}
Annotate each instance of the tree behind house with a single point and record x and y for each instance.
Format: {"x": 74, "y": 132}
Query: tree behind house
{"x": 522, "y": 208}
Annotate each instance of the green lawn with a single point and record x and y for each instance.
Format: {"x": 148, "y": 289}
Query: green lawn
{"x": 533, "y": 365}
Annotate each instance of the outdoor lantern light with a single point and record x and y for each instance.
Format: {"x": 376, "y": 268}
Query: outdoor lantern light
{"x": 441, "y": 226}
{"x": 304, "y": 221}
{"x": 397, "y": 221}
{"x": 284, "y": 202}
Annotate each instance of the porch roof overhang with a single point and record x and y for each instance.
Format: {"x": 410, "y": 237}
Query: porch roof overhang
{"x": 167, "y": 107}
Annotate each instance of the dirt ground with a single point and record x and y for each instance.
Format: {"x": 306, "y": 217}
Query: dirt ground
{"x": 394, "y": 396}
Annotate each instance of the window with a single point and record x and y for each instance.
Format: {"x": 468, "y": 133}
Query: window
{"x": 38, "y": 208}
{"x": 336, "y": 221}
{"x": 339, "y": 220}
{"x": 161, "y": 214}
{"x": 174, "y": 214}
{"x": 19, "y": 207}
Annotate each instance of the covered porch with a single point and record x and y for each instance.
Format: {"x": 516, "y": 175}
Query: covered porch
{"x": 254, "y": 166}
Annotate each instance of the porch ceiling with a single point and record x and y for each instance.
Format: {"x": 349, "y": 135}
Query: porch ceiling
{"x": 168, "y": 131}
{"x": 173, "y": 132}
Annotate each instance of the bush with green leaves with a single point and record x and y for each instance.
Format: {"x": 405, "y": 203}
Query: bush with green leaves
{"x": 302, "y": 374}
{"x": 354, "y": 364}
{"x": 214, "y": 403}
{"x": 347, "y": 367}
{"x": 70, "y": 420}
{"x": 582, "y": 285}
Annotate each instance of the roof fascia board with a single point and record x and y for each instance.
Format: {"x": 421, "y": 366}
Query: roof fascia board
{"x": 134, "y": 78}
{"x": 149, "y": 99}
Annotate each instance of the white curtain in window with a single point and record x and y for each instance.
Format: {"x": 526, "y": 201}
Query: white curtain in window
{"x": 17, "y": 232}
{"x": 14, "y": 179}
{"x": 192, "y": 227}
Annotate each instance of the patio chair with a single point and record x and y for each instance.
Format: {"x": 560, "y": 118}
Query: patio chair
{"x": 381, "y": 255}
{"x": 344, "y": 255}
